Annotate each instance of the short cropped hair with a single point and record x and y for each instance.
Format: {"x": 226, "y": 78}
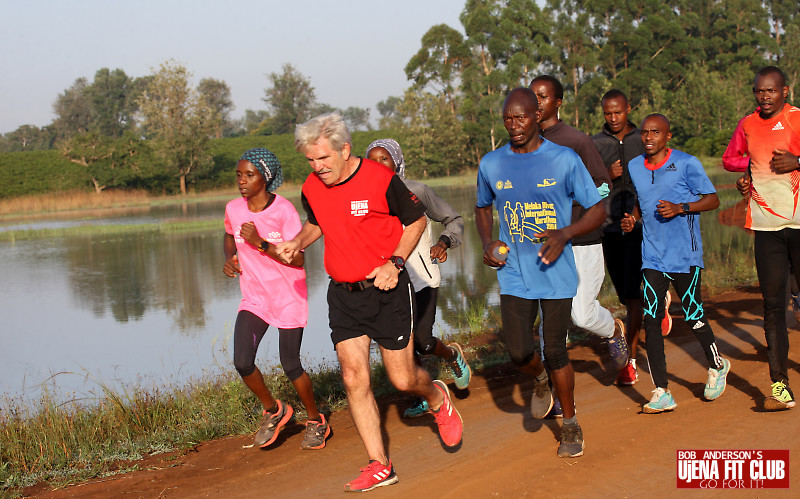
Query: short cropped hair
{"x": 557, "y": 86}
{"x": 614, "y": 93}
{"x": 767, "y": 70}
{"x": 658, "y": 115}
{"x": 330, "y": 126}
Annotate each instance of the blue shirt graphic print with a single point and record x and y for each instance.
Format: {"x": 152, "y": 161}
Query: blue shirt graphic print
{"x": 533, "y": 192}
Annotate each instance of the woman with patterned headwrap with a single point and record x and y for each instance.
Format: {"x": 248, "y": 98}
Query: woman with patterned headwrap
{"x": 423, "y": 268}
{"x": 272, "y": 292}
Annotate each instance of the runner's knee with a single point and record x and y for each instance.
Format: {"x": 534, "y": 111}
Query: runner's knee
{"x": 556, "y": 358}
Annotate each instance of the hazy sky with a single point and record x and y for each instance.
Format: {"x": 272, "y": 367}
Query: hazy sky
{"x": 353, "y": 52}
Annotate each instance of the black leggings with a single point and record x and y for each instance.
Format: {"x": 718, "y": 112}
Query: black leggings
{"x": 247, "y": 334}
{"x": 776, "y": 252}
{"x": 519, "y": 315}
{"x": 424, "y": 316}
{"x": 656, "y": 286}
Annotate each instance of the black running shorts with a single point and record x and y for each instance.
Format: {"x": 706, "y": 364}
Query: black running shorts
{"x": 384, "y": 316}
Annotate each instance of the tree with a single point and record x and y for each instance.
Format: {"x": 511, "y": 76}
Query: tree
{"x": 178, "y": 121}
{"x": 431, "y": 134}
{"x": 439, "y": 62}
{"x": 356, "y": 117}
{"x": 291, "y": 99}
{"x": 388, "y": 111}
{"x": 109, "y": 161}
{"x": 73, "y": 110}
{"x": 112, "y": 97}
{"x": 28, "y": 138}
{"x": 218, "y": 96}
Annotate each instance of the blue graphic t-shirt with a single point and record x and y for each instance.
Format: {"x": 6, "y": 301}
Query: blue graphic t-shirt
{"x": 533, "y": 192}
{"x": 670, "y": 245}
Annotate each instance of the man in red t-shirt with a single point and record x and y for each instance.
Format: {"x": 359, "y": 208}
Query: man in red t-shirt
{"x": 772, "y": 187}
{"x": 371, "y": 223}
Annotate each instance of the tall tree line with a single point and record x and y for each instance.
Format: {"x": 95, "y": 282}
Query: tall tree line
{"x": 692, "y": 61}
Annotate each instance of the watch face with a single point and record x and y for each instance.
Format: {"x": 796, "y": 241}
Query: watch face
{"x": 685, "y": 207}
{"x": 398, "y": 261}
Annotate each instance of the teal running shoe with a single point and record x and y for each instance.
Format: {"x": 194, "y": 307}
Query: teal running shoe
{"x": 460, "y": 367}
{"x": 662, "y": 401}
{"x": 717, "y": 380}
{"x": 420, "y": 408}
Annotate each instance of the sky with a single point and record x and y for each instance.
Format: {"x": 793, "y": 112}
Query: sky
{"x": 353, "y": 52}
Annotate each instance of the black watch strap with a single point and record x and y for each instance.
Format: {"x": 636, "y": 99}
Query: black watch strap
{"x": 398, "y": 261}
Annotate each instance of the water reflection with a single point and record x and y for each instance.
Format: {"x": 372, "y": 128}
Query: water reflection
{"x": 151, "y": 307}
{"x": 156, "y": 308}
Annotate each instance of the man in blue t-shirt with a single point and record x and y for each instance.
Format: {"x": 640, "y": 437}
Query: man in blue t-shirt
{"x": 672, "y": 189}
{"x": 532, "y": 183}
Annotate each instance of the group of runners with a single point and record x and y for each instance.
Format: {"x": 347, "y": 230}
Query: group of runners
{"x": 567, "y": 206}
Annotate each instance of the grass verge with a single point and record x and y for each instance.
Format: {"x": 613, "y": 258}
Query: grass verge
{"x": 67, "y": 442}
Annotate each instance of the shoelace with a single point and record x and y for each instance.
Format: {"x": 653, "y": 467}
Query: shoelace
{"x": 570, "y": 434}
{"x": 459, "y": 371}
{"x": 657, "y": 394}
{"x": 713, "y": 377}
{"x": 777, "y": 389}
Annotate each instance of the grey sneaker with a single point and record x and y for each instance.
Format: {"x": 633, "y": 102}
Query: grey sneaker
{"x": 542, "y": 399}
{"x": 272, "y": 424}
{"x": 571, "y": 441}
{"x": 316, "y": 434}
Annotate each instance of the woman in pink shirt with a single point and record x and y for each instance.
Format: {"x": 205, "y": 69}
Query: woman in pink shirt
{"x": 272, "y": 293}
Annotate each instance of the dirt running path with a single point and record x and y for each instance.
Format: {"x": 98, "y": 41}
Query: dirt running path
{"x": 505, "y": 451}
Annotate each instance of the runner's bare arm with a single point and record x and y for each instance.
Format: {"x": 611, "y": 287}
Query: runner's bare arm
{"x": 231, "y": 267}
{"x": 287, "y": 250}
{"x": 484, "y": 222}
{"x": 706, "y": 202}
{"x": 386, "y": 275}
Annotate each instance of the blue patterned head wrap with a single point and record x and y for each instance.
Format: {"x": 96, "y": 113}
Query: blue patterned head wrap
{"x": 267, "y": 164}
{"x": 395, "y": 152}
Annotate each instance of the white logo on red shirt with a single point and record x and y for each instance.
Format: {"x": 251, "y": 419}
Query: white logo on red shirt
{"x": 778, "y": 126}
{"x": 359, "y": 208}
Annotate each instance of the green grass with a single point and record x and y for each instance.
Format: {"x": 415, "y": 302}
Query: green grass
{"x": 65, "y": 442}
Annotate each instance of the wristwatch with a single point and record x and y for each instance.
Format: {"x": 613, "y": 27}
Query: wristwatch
{"x": 685, "y": 207}
{"x": 264, "y": 246}
{"x": 398, "y": 261}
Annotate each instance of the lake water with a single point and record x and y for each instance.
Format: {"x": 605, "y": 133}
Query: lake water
{"x": 154, "y": 310}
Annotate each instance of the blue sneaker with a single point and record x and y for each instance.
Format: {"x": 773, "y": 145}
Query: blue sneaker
{"x": 460, "y": 367}
{"x": 556, "y": 411}
{"x": 716, "y": 380}
{"x": 662, "y": 401}
{"x": 418, "y": 409}
{"x": 617, "y": 346}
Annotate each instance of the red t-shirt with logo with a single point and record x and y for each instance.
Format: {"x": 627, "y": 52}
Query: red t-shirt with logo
{"x": 774, "y": 197}
{"x": 361, "y": 218}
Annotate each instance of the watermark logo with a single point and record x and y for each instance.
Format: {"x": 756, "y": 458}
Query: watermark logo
{"x": 733, "y": 469}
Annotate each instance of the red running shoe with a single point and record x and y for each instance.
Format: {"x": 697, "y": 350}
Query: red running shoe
{"x": 373, "y": 475}
{"x": 628, "y": 375}
{"x": 447, "y": 418}
{"x": 666, "y": 322}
